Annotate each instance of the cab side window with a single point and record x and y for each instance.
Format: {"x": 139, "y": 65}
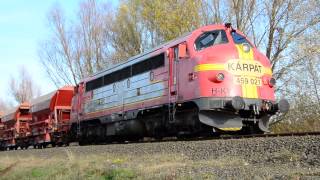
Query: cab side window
{"x": 211, "y": 38}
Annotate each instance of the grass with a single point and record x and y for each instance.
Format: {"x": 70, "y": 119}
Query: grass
{"x": 104, "y": 167}
{"x": 113, "y": 167}
{"x": 307, "y": 125}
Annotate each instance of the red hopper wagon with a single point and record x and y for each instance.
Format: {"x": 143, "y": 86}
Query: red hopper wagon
{"x": 1, "y": 132}
{"x": 50, "y": 117}
{"x": 15, "y": 127}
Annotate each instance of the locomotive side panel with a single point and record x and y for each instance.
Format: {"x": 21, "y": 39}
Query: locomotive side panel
{"x": 145, "y": 90}
{"x": 143, "y": 84}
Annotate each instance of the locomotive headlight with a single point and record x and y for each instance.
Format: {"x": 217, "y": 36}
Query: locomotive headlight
{"x": 246, "y": 47}
{"x": 272, "y": 82}
{"x": 220, "y": 77}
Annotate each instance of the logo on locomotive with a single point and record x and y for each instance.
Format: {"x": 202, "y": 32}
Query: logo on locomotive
{"x": 245, "y": 71}
{"x": 243, "y": 67}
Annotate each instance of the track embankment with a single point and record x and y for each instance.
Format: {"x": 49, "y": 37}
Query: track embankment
{"x": 272, "y": 157}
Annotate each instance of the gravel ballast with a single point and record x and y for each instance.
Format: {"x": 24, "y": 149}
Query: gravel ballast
{"x": 272, "y": 157}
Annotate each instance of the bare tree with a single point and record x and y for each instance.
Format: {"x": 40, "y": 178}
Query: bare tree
{"x": 302, "y": 86}
{"x": 287, "y": 21}
{"x": 212, "y": 11}
{"x": 22, "y": 88}
{"x": 75, "y": 50}
{"x": 101, "y": 35}
{"x": 307, "y": 76}
{"x": 91, "y": 37}
{"x": 142, "y": 24}
{"x": 56, "y": 54}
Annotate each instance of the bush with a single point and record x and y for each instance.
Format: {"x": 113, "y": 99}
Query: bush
{"x": 304, "y": 116}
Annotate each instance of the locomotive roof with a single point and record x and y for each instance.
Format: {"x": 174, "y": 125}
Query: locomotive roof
{"x": 139, "y": 57}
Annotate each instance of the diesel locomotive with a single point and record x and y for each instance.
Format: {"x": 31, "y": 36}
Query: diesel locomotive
{"x": 211, "y": 80}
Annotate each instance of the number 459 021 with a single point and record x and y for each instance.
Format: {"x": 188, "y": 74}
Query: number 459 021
{"x": 245, "y": 80}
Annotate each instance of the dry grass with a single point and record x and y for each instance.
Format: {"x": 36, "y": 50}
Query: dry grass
{"x": 112, "y": 166}
{"x": 308, "y": 125}
{"x": 106, "y": 166}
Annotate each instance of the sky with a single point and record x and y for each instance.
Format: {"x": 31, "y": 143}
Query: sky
{"x": 23, "y": 25}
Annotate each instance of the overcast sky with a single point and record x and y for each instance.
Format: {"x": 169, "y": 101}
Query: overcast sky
{"x": 23, "y": 25}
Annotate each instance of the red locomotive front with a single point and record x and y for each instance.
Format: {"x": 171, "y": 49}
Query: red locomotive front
{"x": 234, "y": 87}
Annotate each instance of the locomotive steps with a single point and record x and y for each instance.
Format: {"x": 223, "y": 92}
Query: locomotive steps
{"x": 273, "y": 157}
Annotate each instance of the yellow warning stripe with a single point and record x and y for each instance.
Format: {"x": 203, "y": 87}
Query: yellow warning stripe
{"x": 208, "y": 67}
{"x": 248, "y": 90}
{"x": 217, "y": 67}
{"x": 231, "y": 129}
{"x": 244, "y": 55}
{"x": 267, "y": 71}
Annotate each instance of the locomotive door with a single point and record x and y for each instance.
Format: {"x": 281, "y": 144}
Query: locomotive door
{"x": 121, "y": 93}
{"x": 173, "y": 73}
{"x": 78, "y": 110}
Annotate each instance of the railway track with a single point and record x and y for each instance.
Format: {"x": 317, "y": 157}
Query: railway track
{"x": 222, "y": 137}
{"x": 274, "y": 135}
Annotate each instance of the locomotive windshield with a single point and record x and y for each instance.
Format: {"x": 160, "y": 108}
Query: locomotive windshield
{"x": 239, "y": 39}
{"x": 211, "y": 38}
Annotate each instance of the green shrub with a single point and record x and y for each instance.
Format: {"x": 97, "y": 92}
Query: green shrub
{"x": 119, "y": 174}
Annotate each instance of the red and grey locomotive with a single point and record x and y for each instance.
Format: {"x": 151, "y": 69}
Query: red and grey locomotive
{"x": 211, "y": 78}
